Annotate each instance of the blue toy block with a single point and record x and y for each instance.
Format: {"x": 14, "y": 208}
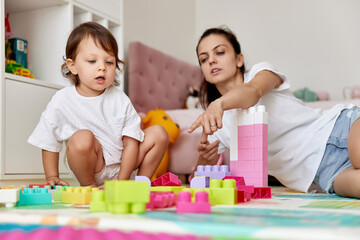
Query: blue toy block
{"x": 31, "y": 196}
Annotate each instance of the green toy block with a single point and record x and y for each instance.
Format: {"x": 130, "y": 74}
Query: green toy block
{"x": 98, "y": 203}
{"x": 224, "y": 191}
{"x": 58, "y": 194}
{"x": 126, "y": 196}
{"x": 174, "y": 189}
{"x": 37, "y": 196}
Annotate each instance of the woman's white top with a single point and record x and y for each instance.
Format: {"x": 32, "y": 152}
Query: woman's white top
{"x": 297, "y": 134}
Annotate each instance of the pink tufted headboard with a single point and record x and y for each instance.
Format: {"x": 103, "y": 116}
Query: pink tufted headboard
{"x": 159, "y": 80}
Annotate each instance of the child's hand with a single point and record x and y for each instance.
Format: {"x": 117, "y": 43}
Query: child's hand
{"x": 208, "y": 151}
{"x": 55, "y": 181}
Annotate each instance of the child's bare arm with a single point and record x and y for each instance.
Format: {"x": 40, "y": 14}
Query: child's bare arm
{"x": 51, "y": 168}
{"x": 129, "y": 158}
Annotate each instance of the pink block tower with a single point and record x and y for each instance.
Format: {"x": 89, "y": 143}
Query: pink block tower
{"x": 248, "y": 145}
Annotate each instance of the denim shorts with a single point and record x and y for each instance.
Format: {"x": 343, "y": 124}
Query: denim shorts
{"x": 336, "y": 156}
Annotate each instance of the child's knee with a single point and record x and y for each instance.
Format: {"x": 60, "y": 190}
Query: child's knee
{"x": 81, "y": 141}
{"x": 160, "y": 135}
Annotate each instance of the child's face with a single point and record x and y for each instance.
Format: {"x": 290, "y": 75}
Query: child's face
{"x": 218, "y": 60}
{"x": 95, "y": 68}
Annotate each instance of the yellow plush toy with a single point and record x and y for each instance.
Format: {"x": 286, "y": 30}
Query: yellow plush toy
{"x": 160, "y": 117}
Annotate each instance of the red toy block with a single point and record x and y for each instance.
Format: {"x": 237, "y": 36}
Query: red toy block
{"x": 261, "y": 192}
{"x": 201, "y": 204}
{"x": 38, "y": 185}
{"x": 168, "y": 179}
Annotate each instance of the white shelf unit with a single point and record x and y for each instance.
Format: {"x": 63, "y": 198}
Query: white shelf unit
{"x": 45, "y": 24}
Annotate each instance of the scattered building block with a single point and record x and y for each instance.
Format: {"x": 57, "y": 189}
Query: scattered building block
{"x": 224, "y": 191}
{"x": 57, "y": 196}
{"x": 143, "y": 178}
{"x": 168, "y": 179}
{"x": 97, "y": 203}
{"x": 200, "y": 205}
{"x": 38, "y": 185}
{"x": 261, "y": 192}
{"x": 214, "y": 172}
{"x": 200, "y": 182}
{"x": 77, "y": 195}
{"x": 34, "y": 196}
{"x": 126, "y": 196}
{"x": 161, "y": 200}
{"x": 9, "y": 197}
{"x": 174, "y": 189}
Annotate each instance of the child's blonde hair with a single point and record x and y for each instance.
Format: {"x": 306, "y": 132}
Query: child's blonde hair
{"x": 100, "y": 35}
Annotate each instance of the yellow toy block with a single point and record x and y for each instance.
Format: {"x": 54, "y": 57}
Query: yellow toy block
{"x": 224, "y": 191}
{"x": 174, "y": 189}
{"x": 77, "y": 195}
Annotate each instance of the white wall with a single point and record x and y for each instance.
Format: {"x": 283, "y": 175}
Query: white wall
{"x": 167, "y": 25}
{"x": 316, "y": 43}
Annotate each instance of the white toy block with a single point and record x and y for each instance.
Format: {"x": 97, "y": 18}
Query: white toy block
{"x": 9, "y": 196}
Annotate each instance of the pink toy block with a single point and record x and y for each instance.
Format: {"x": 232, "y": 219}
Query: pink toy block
{"x": 248, "y": 146}
{"x": 168, "y": 179}
{"x": 214, "y": 172}
{"x": 161, "y": 200}
{"x": 201, "y": 204}
{"x": 261, "y": 192}
{"x": 200, "y": 182}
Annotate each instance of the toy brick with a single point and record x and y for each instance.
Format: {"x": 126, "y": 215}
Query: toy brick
{"x": 193, "y": 191}
{"x": 239, "y": 180}
{"x": 97, "y": 203}
{"x": 200, "y": 182}
{"x": 261, "y": 192}
{"x": 126, "y": 196}
{"x": 57, "y": 197}
{"x": 168, "y": 179}
{"x": 201, "y": 204}
{"x": 9, "y": 196}
{"x": 214, "y": 172}
{"x": 77, "y": 195}
{"x": 143, "y": 178}
{"x": 174, "y": 189}
{"x": 224, "y": 191}
{"x": 38, "y": 185}
{"x": 161, "y": 200}
{"x": 38, "y": 196}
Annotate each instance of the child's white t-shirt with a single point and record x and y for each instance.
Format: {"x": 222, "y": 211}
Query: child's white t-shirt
{"x": 297, "y": 134}
{"x": 109, "y": 116}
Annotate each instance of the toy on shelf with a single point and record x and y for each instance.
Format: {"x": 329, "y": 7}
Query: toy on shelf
{"x": 200, "y": 205}
{"x": 168, "y": 179}
{"x": 17, "y": 69}
{"x": 248, "y": 145}
{"x": 160, "y": 117}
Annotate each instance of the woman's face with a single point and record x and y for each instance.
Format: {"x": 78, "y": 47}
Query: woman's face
{"x": 218, "y": 60}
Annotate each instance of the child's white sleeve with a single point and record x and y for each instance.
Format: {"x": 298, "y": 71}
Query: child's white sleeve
{"x": 44, "y": 136}
{"x": 132, "y": 124}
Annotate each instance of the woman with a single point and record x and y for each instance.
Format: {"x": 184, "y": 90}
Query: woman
{"x": 305, "y": 145}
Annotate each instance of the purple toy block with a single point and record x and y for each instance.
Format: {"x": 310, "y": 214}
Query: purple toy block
{"x": 201, "y": 204}
{"x": 200, "y": 182}
{"x": 214, "y": 172}
{"x": 143, "y": 178}
{"x": 168, "y": 179}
